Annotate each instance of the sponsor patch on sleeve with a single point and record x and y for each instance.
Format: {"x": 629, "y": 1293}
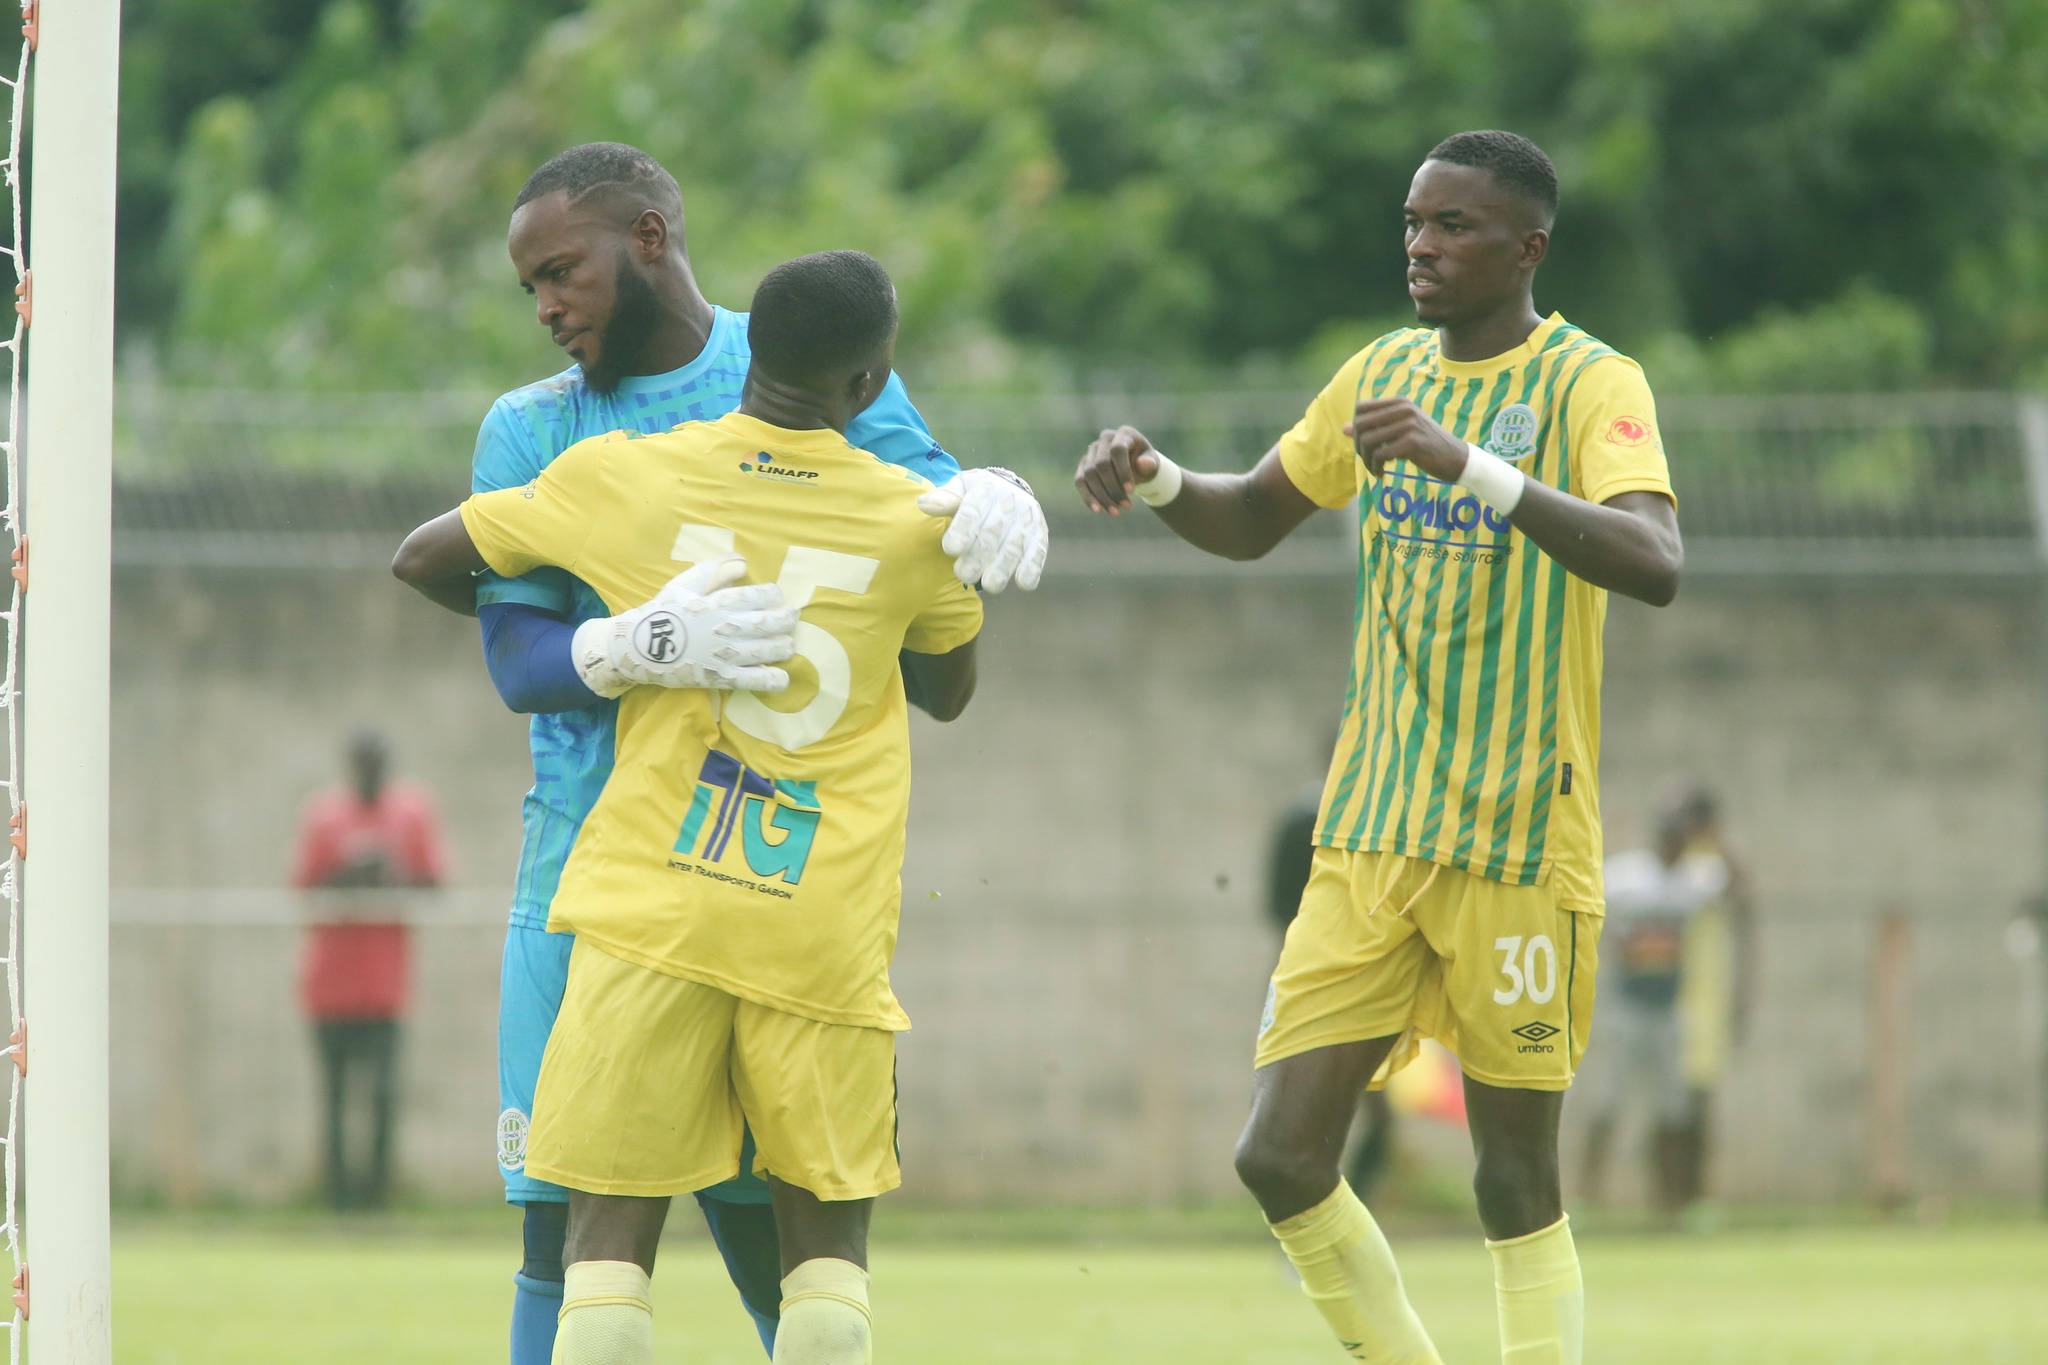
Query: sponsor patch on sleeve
{"x": 1628, "y": 431}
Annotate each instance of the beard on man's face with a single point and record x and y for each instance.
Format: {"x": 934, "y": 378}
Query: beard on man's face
{"x": 623, "y": 341}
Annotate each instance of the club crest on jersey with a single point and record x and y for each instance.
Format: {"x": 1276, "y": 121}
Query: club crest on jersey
{"x": 512, "y": 1127}
{"x": 1513, "y": 436}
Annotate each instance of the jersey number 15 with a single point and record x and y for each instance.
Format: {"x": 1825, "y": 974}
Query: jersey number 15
{"x": 805, "y": 570}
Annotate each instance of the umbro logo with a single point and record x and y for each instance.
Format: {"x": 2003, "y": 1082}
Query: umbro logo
{"x": 1536, "y": 1031}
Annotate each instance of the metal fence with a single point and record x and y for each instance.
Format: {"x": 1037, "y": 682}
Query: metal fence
{"x": 1940, "y": 485}
{"x": 1856, "y": 484}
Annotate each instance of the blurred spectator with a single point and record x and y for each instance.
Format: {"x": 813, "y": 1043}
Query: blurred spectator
{"x": 353, "y": 841}
{"x": 1287, "y": 868}
{"x": 1672, "y": 983}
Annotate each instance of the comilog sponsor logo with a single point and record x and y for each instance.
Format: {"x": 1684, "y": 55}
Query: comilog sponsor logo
{"x": 1429, "y": 505}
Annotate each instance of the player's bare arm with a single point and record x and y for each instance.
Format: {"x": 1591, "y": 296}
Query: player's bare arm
{"x": 1628, "y": 544}
{"x": 940, "y": 685}
{"x": 440, "y": 562}
{"x": 1236, "y": 516}
{"x": 436, "y": 553}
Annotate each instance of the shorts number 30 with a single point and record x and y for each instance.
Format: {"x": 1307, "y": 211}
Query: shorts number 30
{"x": 1531, "y": 969}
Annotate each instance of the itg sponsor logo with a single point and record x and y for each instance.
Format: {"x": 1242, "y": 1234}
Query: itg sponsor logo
{"x": 776, "y": 820}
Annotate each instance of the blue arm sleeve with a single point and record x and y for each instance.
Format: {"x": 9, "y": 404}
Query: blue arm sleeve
{"x": 891, "y": 429}
{"x": 526, "y": 649}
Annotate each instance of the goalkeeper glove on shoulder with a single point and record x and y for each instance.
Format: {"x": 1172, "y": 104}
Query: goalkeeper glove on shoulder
{"x": 997, "y": 531}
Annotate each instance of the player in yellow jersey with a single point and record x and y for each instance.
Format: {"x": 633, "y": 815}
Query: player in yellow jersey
{"x": 734, "y": 891}
{"x": 1507, "y": 474}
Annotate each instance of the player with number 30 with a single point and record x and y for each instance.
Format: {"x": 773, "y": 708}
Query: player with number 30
{"x": 1503, "y": 473}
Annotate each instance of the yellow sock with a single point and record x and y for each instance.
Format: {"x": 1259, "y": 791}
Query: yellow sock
{"x": 825, "y": 1318}
{"x": 1348, "y": 1272}
{"x": 606, "y": 1317}
{"x": 1542, "y": 1300}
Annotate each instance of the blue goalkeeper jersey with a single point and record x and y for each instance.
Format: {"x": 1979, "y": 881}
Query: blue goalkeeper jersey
{"x": 523, "y": 432}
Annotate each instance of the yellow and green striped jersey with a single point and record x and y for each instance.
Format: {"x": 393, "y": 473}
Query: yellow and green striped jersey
{"x": 1471, "y": 729}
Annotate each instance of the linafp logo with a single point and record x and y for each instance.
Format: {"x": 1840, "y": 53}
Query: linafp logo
{"x": 763, "y": 466}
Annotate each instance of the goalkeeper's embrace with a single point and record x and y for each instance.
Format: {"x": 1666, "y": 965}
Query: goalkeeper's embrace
{"x": 597, "y": 243}
{"x": 733, "y": 892}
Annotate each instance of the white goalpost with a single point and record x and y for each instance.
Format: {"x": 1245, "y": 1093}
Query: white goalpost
{"x": 59, "y": 521}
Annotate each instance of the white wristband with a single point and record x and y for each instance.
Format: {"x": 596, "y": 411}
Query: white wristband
{"x": 1164, "y": 485}
{"x": 1496, "y": 482}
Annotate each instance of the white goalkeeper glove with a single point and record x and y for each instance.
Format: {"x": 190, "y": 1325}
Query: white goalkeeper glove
{"x": 997, "y": 530}
{"x": 699, "y": 631}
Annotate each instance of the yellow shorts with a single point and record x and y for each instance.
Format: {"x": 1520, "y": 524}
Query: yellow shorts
{"x": 1383, "y": 945}
{"x": 648, "y": 1079}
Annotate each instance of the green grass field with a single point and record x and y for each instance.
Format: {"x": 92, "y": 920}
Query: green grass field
{"x": 243, "y": 1294}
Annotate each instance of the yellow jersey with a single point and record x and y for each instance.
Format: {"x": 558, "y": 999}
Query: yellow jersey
{"x": 1471, "y": 724}
{"x": 750, "y": 842}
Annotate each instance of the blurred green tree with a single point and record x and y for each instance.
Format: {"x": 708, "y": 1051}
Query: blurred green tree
{"x": 1839, "y": 193}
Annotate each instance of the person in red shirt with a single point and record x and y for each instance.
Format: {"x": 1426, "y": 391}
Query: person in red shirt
{"x": 354, "y": 840}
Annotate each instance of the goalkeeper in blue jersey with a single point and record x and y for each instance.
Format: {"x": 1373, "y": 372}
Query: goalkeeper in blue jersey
{"x": 597, "y": 240}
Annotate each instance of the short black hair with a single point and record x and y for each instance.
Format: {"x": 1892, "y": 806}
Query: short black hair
{"x": 1517, "y": 163}
{"x": 609, "y": 171}
{"x": 817, "y": 320}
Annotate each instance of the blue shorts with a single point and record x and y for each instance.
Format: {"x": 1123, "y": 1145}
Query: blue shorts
{"x": 530, "y": 990}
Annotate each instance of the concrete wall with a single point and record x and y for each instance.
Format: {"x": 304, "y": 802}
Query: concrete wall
{"x": 1083, "y": 949}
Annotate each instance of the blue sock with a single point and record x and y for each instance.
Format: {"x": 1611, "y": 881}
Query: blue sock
{"x": 537, "y": 1293}
{"x": 745, "y": 1237}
